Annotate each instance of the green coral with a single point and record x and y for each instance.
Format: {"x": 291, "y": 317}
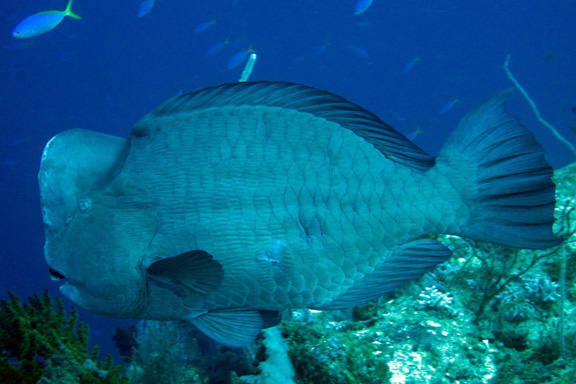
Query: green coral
{"x": 38, "y": 343}
{"x": 325, "y": 351}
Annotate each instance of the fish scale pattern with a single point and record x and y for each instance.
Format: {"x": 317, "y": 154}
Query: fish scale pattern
{"x": 260, "y": 176}
{"x": 227, "y": 205}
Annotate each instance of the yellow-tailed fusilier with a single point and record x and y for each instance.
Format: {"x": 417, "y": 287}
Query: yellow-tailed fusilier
{"x": 42, "y": 22}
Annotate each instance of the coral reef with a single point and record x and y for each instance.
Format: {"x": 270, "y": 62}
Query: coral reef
{"x": 176, "y": 353}
{"x": 277, "y": 368}
{"x": 162, "y": 355}
{"x": 125, "y": 341}
{"x": 40, "y": 345}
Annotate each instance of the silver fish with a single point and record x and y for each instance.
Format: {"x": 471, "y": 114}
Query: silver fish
{"x": 226, "y": 206}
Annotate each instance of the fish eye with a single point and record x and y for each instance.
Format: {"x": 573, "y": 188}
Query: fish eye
{"x": 84, "y": 205}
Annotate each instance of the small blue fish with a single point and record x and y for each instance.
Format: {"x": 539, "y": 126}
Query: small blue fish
{"x": 204, "y": 26}
{"x": 414, "y": 134}
{"x": 320, "y": 50}
{"x": 145, "y": 8}
{"x": 238, "y": 58}
{"x": 409, "y": 65}
{"x": 362, "y": 6}
{"x": 361, "y": 52}
{"x": 448, "y": 106}
{"x": 215, "y": 48}
{"x": 42, "y": 22}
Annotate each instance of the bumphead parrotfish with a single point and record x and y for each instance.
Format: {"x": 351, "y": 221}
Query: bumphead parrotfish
{"x": 228, "y": 205}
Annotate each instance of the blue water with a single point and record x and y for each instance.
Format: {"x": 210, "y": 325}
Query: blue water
{"x": 107, "y": 70}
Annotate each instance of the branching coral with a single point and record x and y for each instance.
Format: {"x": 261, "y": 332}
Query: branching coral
{"x": 34, "y": 337}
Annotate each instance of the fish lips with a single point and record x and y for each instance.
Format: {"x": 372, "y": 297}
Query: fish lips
{"x": 55, "y": 275}
{"x": 68, "y": 289}
{"x": 70, "y": 292}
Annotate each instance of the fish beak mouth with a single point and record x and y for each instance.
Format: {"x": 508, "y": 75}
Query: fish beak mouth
{"x": 68, "y": 288}
{"x": 71, "y": 293}
{"x": 55, "y": 275}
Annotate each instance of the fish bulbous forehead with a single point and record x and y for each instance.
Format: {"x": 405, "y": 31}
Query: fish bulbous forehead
{"x": 74, "y": 163}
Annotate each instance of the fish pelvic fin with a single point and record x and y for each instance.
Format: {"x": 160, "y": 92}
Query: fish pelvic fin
{"x": 505, "y": 180}
{"x": 235, "y": 327}
{"x": 68, "y": 11}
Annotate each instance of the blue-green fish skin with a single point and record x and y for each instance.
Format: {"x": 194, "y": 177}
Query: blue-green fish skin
{"x": 238, "y": 58}
{"x": 227, "y": 206}
{"x": 42, "y": 22}
{"x": 361, "y": 6}
{"x": 144, "y": 8}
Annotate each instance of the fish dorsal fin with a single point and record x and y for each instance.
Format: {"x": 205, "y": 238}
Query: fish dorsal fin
{"x": 237, "y": 327}
{"x": 196, "y": 270}
{"x": 323, "y": 104}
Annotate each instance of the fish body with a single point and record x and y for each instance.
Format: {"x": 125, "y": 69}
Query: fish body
{"x": 217, "y": 47}
{"x": 226, "y": 206}
{"x": 360, "y": 52}
{"x": 238, "y": 58}
{"x": 42, "y": 22}
{"x": 409, "y": 65}
{"x": 144, "y": 8}
{"x": 203, "y": 27}
{"x": 448, "y": 106}
{"x": 361, "y": 6}
{"x": 414, "y": 134}
{"x": 320, "y": 50}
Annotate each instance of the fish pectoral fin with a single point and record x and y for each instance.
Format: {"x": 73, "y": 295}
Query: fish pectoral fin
{"x": 409, "y": 262}
{"x": 196, "y": 270}
{"x": 235, "y": 327}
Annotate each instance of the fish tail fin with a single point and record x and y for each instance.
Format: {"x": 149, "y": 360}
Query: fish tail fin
{"x": 68, "y": 11}
{"x": 505, "y": 181}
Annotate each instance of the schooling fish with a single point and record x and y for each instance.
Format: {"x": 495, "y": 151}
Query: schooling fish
{"x": 361, "y": 6}
{"x": 228, "y": 205}
{"x": 144, "y": 8}
{"x": 448, "y": 106}
{"x": 238, "y": 58}
{"x": 42, "y": 22}
{"x": 409, "y": 65}
{"x": 217, "y": 47}
{"x": 203, "y": 27}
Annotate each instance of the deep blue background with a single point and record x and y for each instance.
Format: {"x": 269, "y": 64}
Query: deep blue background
{"x": 107, "y": 70}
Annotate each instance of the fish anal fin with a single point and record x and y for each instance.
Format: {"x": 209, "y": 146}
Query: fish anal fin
{"x": 234, "y": 327}
{"x": 196, "y": 270}
{"x": 409, "y": 262}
